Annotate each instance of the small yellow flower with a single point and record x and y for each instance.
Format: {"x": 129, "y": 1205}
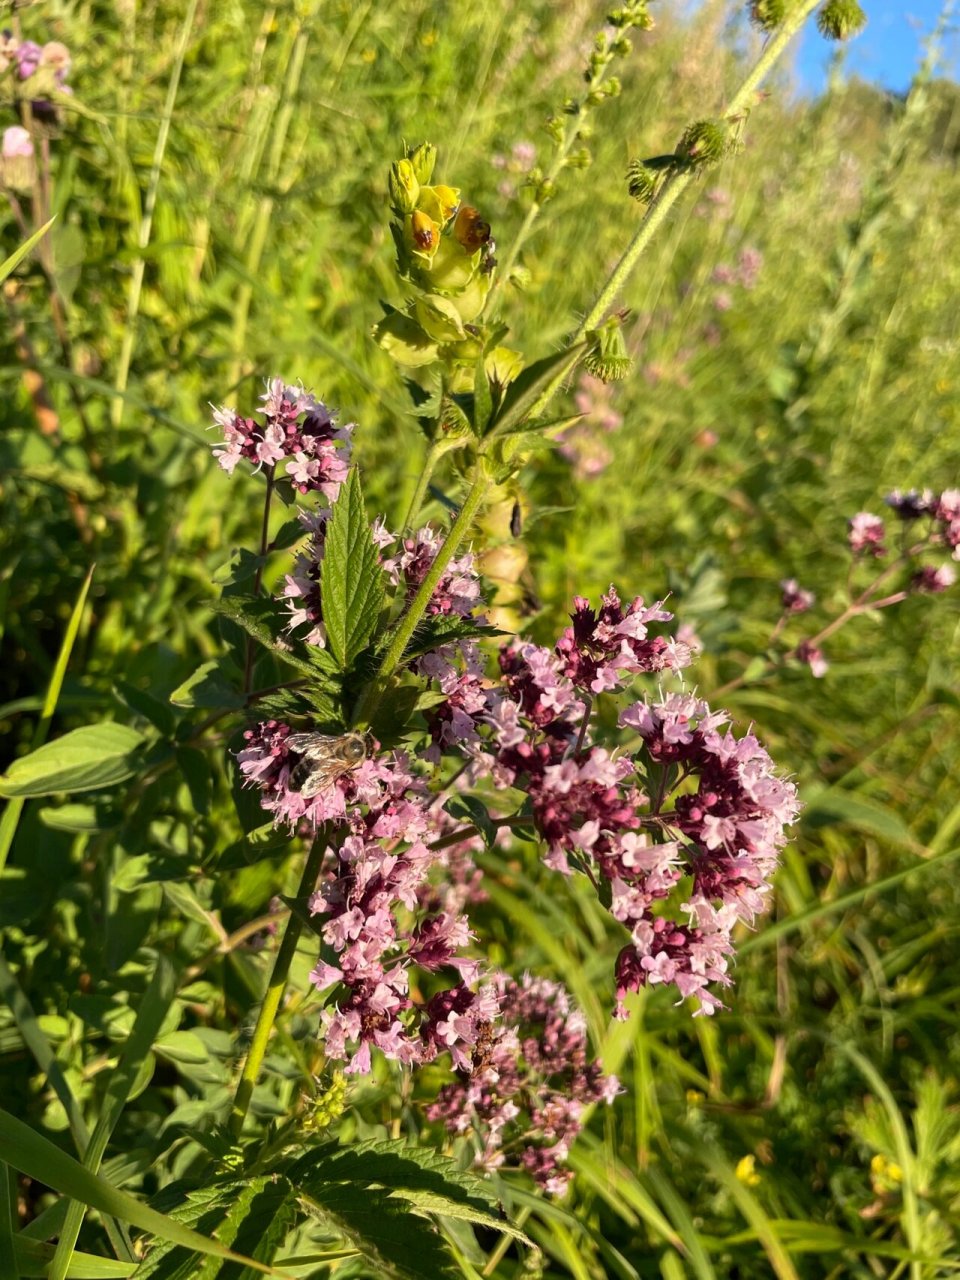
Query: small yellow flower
{"x": 884, "y": 1174}
{"x": 695, "y": 1097}
{"x": 747, "y": 1171}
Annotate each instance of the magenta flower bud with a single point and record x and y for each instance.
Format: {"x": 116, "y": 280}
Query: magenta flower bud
{"x": 866, "y": 534}
{"x": 794, "y": 598}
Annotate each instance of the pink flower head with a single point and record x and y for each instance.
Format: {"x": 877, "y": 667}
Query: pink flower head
{"x": 794, "y": 598}
{"x": 16, "y": 142}
{"x": 604, "y": 648}
{"x": 526, "y": 1080}
{"x": 296, "y": 429}
{"x": 812, "y": 655}
{"x": 866, "y": 534}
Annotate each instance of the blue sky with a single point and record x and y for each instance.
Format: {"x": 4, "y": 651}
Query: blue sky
{"x": 888, "y": 50}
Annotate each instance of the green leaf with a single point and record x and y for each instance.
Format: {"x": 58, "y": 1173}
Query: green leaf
{"x": 150, "y": 1016}
{"x": 18, "y": 255}
{"x": 11, "y": 814}
{"x": 38, "y": 1158}
{"x": 264, "y": 620}
{"x": 439, "y": 629}
{"x": 827, "y": 808}
{"x": 208, "y": 688}
{"x": 97, "y": 755}
{"x": 524, "y": 392}
{"x": 9, "y": 1266}
{"x": 252, "y": 1215}
{"x": 474, "y": 811}
{"x": 34, "y": 1259}
{"x": 482, "y": 398}
{"x": 351, "y": 580}
{"x": 542, "y": 425}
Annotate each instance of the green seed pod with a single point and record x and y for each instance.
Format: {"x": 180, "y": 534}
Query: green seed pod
{"x": 404, "y": 341}
{"x": 423, "y": 158}
{"x": 641, "y": 182}
{"x": 439, "y": 318}
{"x": 841, "y": 19}
{"x": 545, "y": 191}
{"x": 703, "y": 144}
{"x": 767, "y": 14}
{"x": 404, "y": 187}
{"x": 613, "y": 87}
{"x": 323, "y": 1109}
{"x": 581, "y": 159}
{"x": 607, "y": 358}
{"x": 622, "y": 46}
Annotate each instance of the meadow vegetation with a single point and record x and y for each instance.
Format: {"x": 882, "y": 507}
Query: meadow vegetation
{"x": 219, "y": 181}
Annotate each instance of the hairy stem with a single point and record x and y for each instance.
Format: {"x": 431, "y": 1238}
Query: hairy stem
{"x": 258, "y": 578}
{"x": 407, "y": 625}
{"x": 673, "y": 187}
{"x": 274, "y": 993}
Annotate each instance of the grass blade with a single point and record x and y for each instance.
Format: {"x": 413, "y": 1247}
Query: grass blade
{"x": 8, "y": 1216}
{"x": 38, "y": 1158}
{"x": 150, "y": 1015}
{"x": 18, "y": 255}
{"x": 11, "y": 814}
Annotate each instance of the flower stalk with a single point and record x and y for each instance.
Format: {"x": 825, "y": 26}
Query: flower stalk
{"x": 275, "y": 989}
{"x": 417, "y": 607}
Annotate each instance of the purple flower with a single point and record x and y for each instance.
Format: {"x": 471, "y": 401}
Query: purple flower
{"x": 604, "y": 647}
{"x": 27, "y": 57}
{"x": 932, "y": 579}
{"x": 794, "y": 598}
{"x": 297, "y": 428}
{"x": 526, "y": 1082}
{"x": 866, "y": 534}
{"x": 912, "y": 504}
{"x": 813, "y": 657}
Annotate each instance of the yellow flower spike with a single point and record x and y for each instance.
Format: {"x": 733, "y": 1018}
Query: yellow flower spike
{"x": 747, "y": 1171}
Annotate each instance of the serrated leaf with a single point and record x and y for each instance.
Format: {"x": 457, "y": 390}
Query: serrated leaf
{"x": 264, "y": 620}
{"x": 209, "y": 689}
{"x": 474, "y": 811}
{"x": 440, "y": 629}
{"x": 351, "y": 579}
{"x": 397, "y": 1244}
{"x": 98, "y": 755}
{"x": 526, "y": 389}
{"x": 542, "y": 425}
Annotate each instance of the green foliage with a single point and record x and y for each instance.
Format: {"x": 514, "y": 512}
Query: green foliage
{"x": 351, "y": 580}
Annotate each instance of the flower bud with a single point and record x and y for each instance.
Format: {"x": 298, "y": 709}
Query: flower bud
{"x": 404, "y": 341}
{"x": 840, "y": 19}
{"x": 703, "y": 144}
{"x": 439, "y": 202}
{"x": 767, "y": 14}
{"x": 423, "y": 158}
{"x": 622, "y": 46}
{"x": 452, "y": 267}
{"x": 607, "y": 358}
{"x": 404, "y": 187}
{"x": 642, "y": 181}
{"x": 439, "y": 318}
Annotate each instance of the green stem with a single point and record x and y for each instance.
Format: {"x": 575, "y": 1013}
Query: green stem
{"x": 418, "y": 605}
{"x": 673, "y": 188}
{"x": 274, "y": 993}
{"x": 436, "y": 451}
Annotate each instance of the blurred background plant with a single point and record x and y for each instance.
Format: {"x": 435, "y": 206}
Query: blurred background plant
{"x": 217, "y": 177}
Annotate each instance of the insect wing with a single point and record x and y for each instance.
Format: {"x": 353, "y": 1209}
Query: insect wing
{"x": 312, "y": 745}
{"x": 320, "y": 778}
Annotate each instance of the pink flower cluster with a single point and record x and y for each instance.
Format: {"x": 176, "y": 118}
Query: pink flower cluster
{"x": 692, "y": 806}
{"x": 603, "y": 646}
{"x": 528, "y": 1083}
{"x": 297, "y": 428}
{"x": 28, "y": 58}
{"x": 372, "y": 900}
{"x": 942, "y": 511}
{"x": 583, "y": 444}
